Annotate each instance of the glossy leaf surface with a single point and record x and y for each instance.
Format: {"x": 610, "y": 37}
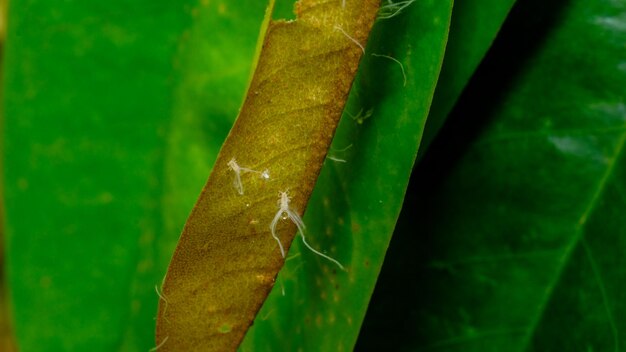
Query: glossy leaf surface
{"x": 517, "y": 244}
{"x": 357, "y": 199}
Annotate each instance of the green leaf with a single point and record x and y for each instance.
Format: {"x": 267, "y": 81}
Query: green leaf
{"x": 226, "y": 260}
{"x": 355, "y": 204}
{"x": 518, "y": 244}
{"x": 102, "y": 99}
{"x": 475, "y": 24}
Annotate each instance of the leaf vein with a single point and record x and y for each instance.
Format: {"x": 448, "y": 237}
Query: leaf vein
{"x": 602, "y": 287}
{"x": 578, "y": 236}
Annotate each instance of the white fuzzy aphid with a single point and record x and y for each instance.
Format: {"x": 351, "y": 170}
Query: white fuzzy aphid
{"x": 238, "y": 170}
{"x": 285, "y": 212}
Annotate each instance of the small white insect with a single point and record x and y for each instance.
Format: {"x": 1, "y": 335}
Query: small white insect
{"x": 361, "y": 116}
{"x": 238, "y": 170}
{"x": 285, "y": 212}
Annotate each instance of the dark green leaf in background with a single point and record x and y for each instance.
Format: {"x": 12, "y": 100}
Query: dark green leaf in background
{"x": 474, "y": 26}
{"x": 513, "y": 236}
{"x": 358, "y": 201}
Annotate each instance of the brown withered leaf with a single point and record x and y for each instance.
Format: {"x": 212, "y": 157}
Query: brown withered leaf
{"x": 226, "y": 260}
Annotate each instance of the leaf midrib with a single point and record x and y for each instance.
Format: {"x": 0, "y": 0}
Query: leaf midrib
{"x": 577, "y": 239}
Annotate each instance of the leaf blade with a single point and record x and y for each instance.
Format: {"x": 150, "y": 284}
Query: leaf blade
{"x": 307, "y": 56}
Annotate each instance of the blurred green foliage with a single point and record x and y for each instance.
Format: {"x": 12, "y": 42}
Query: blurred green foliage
{"x": 511, "y": 235}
